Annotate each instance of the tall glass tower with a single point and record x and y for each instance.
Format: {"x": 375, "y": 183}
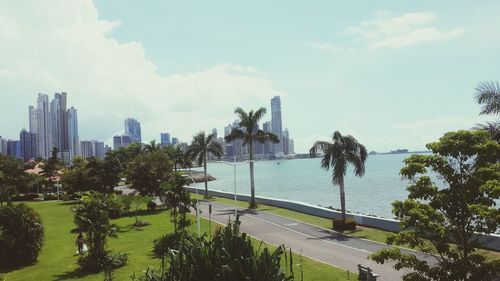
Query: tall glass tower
{"x": 133, "y": 128}
{"x": 277, "y": 125}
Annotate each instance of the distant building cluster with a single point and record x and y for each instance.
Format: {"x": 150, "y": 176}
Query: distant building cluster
{"x": 267, "y": 150}
{"x": 53, "y": 125}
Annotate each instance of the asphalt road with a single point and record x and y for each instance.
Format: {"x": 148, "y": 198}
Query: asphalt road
{"x": 314, "y": 242}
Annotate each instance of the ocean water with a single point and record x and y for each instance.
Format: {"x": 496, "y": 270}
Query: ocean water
{"x": 304, "y": 180}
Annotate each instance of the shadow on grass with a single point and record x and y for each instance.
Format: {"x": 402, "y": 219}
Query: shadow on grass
{"x": 9, "y": 269}
{"x": 75, "y": 274}
{"x": 143, "y": 213}
{"x": 69, "y": 203}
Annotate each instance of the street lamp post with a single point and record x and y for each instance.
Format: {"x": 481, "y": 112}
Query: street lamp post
{"x": 235, "y": 194}
{"x": 197, "y": 205}
{"x": 58, "y": 186}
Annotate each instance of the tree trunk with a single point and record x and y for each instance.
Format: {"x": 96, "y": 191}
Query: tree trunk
{"x": 342, "y": 199}
{"x": 205, "y": 169}
{"x": 253, "y": 203}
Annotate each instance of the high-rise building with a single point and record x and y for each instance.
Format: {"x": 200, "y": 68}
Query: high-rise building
{"x": 133, "y": 128}
{"x": 87, "y": 149}
{"x": 121, "y": 141}
{"x": 268, "y": 145}
{"x": 277, "y": 126}
{"x": 291, "y": 146}
{"x": 33, "y": 119}
{"x": 59, "y": 122}
{"x": 284, "y": 140}
{"x": 14, "y": 148}
{"x": 73, "y": 138}
{"x": 214, "y": 133}
{"x": 28, "y": 145}
{"x": 43, "y": 126}
{"x": 93, "y": 149}
{"x": 175, "y": 141}
{"x": 65, "y": 157}
{"x": 3, "y": 146}
{"x": 164, "y": 139}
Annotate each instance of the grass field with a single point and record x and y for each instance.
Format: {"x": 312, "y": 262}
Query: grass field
{"x": 57, "y": 260}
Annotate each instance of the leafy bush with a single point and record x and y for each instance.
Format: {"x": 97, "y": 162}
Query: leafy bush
{"x": 116, "y": 207}
{"x": 50, "y": 197}
{"x": 167, "y": 242}
{"x": 25, "y": 197}
{"x": 349, "y": 224}
{"x": 21, "y": 235}
{"x": 152, "y": 205}
{"x": 228, "y": 256}
{"x": 103, "y": 262}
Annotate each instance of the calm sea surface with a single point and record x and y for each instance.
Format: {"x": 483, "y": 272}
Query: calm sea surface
{"x": 304, "y": 180}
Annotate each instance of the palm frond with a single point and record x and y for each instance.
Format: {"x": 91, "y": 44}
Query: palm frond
{"x": 235, "y": 134}
{"x": 262, "y": 137}
{"x": 488, "y": 95}
{"x": 259, "y": 114}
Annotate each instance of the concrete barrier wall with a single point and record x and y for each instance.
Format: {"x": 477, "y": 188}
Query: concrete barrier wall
{"x": 488, "y": 241}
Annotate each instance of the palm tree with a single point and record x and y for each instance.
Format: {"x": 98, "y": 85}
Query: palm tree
{"x": 152, "y": 147}
{"x": 344, "y": 150}
{"x": 249, "y": 132}
{"x": 200, "y": 147}
{"x": 488, "y": 95}
{"x": 176, "y": 154}
{"x": 493, "y": 128}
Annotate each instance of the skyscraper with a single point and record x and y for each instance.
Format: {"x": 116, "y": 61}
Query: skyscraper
{"x": 33, "y": 119}
{"x": 28, "y": 145}
{"x": 214, "y": 133}
{"x": 133, "y": 128}
{"x": 284, "y": 139}
{"x": 93, "y": 149}
{"x": 43, "y": 126}
{"x": 277, "y": 126}
{"x": 73, "y": 138}
{"x": 122, "y": 141}
{"x": 3, "y": 146}
{"x": 164, "y": 139}
{"x": 14, "y": 148}
{"x": 59, "y": 122}
{"x": 175, "y": 141}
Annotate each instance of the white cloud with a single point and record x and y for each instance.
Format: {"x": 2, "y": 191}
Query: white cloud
{"x": 386, "y": 31}
{"x": 64, "y": 46}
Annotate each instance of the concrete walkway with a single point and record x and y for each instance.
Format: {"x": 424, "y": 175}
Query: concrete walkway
{"x": 314, "y": 242}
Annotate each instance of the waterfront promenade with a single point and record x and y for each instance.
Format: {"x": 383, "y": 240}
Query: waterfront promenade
{"x": 321, "y": 244}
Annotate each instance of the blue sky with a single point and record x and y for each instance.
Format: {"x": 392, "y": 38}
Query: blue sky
{"x": 395, "y": 74}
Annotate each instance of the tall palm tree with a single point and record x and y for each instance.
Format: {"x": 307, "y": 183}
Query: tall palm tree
{"x": 249, "y": 132}
{"x": 344, "y": 150}
{"x": 176, "y": 154}
{"x": 488, "y": 95}
{"x": 152, "y": 146}
{"x": 200, "y": 147}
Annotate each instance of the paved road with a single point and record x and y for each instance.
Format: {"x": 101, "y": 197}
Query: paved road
{"x": 308, "y": 240}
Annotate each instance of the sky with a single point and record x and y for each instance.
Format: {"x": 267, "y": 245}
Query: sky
{"x": 394, "y": 74}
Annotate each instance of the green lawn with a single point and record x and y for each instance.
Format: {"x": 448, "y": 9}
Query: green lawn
{"x": 57, "y": 260}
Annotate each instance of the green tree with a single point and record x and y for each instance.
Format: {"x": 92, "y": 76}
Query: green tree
{"x": 103, "y": 175}
{"x": 152, "y": 146}
{"x": 177, "y": 199}
{"x": 148, "y": 170}
{"x": 51, "y": 168}
{"x": 337, "y": 155}
{"x": 467, "y": 162}
{"x": 76, "y": 178}
{"x": 200, "y": 147}
{"x": 13, "y": 179}
{"x": 179, "y": 158}
{"x": 249, "y": 133}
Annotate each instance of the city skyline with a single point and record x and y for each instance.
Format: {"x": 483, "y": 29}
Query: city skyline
{"x": 338, "y": 69}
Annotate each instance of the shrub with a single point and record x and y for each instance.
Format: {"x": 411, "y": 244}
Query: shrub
{"x": 25, "y": 197}
{"x": 50, "y": 197}
{"x": 115, "y": 206}
{"x": 21, "y": 235}
{"x": 228, "y": 256}
{"x": 152, "y": 205}
{"x": 166, "y": 242}
{"x": 349, "y": 224}
{"x": 106, "y": 261}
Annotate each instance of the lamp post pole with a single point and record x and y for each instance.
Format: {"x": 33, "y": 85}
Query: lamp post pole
{"x": 197, "y": 205}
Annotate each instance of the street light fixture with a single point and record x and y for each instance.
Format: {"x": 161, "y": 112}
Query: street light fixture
{"x": 197, "y": 205}
{"x": 235, "y": 194}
